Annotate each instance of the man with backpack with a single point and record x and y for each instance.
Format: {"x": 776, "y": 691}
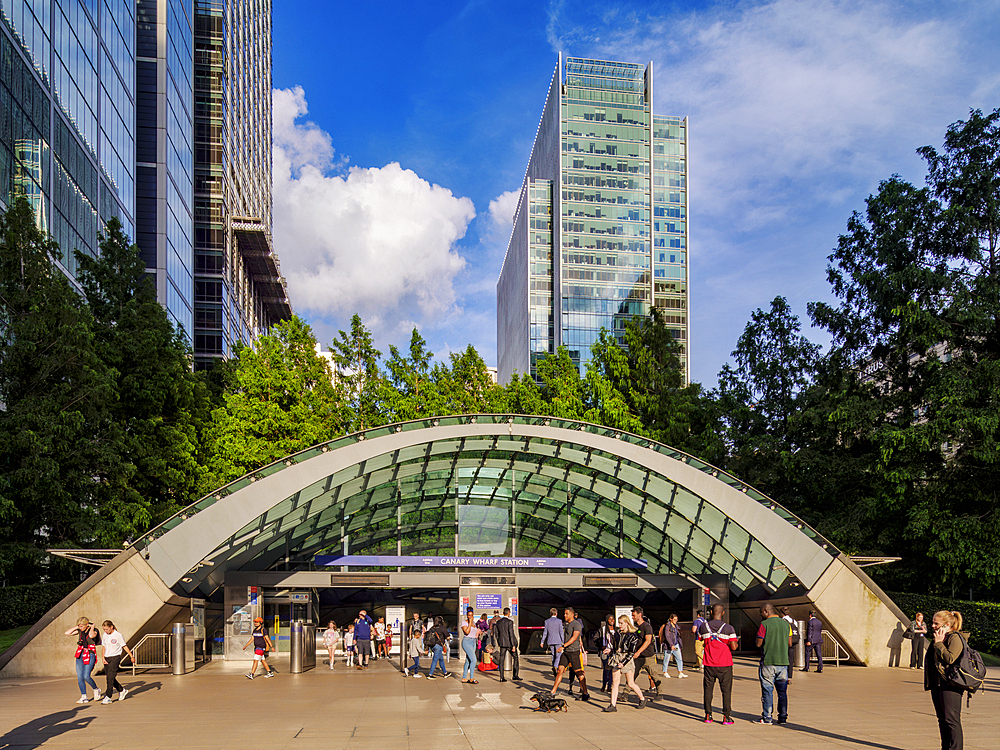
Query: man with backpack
{"x": 719, "y": 640}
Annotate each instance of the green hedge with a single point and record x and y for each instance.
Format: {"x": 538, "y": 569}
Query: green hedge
{"x": 980, "y": 619}
{"x": 25, "y": 605}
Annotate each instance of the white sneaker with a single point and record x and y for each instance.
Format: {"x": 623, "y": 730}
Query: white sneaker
{"x": 106, "y": 701}
{"x": 406, "y": 671}
{"x": 666, "y": 676}
{"x": 97, "y": 694}
{"x": 418, "y": 675}
{"x": 122, "y": 694}
{"x": 681, "y": 675}
{"x": 84, "y": 699}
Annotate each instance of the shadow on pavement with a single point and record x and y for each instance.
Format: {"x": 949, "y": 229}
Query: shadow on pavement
{"x": 146, "y": 686}
{"x": 39, "y": 731}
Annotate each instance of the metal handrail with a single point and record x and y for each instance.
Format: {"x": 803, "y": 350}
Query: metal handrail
{"x": 151, "y": 652}
{"x": 837, "y": 648}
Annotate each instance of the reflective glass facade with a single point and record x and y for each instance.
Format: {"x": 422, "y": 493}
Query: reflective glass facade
{"x": 610, "y": 240}
{"x": 238, "y": 289}
{"x": 165, "y": 169}
{"x": 157, "y": 112}
{"x": 67, "y": 108}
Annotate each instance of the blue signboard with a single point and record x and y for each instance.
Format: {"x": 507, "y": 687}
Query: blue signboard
{"x": 488, "y": 601}
{"x": 416, "y": 561}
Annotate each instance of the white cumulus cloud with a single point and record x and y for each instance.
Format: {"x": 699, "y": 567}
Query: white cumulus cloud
{"x": 502, "y": 209}
{"x": 377, "y": 241}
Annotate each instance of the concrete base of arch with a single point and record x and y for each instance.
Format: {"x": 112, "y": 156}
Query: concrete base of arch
{"x": 852, "y": 607}
{"x": 125, "y": 591}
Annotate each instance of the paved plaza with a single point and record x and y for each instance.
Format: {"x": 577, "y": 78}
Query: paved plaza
{"x": 216, "y": 707}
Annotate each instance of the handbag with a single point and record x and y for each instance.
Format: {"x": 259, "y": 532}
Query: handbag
{"x": 583, "y": 658}
{"x": 908, "y": 634}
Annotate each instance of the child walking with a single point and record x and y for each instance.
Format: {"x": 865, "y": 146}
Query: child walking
{"x": 349, "y": 644}
{"x": 330, "y": 638}
{"x": 416, "y": 648}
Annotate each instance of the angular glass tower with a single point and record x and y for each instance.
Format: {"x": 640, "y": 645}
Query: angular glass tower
{"x": 67, "y": 116}
{"x": 165, "y": 168}
{"x": 600, "y": 231}
{"x": 239, "y": 292}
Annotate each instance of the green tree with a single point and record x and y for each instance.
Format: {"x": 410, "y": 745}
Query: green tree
{"x": 53, "y": 390}
{"x": 284, "y": 401}
{"x": 916, "y": 346}
{"x": 359, "y": 380}
{"x": 409, "y": 390}
{"x": 761, "y": 397}
{"x": 160, "y": 406}
{"x": 639, "y": 387}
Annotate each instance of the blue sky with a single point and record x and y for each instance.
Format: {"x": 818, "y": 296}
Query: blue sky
{"x": 402, "y": 129}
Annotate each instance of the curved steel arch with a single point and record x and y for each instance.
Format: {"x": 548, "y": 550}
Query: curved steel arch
{"x": 623, "y": 496}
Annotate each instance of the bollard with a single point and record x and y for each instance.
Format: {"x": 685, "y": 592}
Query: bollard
{"x": 296, "y": 648}
{"x": 178, "y": 648}
{"x": 800, "y": 648}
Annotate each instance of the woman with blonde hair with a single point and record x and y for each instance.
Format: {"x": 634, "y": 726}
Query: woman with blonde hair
{"x": 619, "y": 653}
{"x": 88, "y": 638}
{"x": 946, "y": 649}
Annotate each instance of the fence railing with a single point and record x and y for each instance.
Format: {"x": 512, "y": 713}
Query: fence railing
{"x": 151, "y": 652}
{"x": 832, "y": 649}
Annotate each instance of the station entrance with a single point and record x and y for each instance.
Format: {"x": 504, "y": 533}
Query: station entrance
{"x": 319, "y": 597}
{"x": 510, "y": 487}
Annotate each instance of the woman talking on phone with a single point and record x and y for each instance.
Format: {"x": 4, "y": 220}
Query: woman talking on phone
{"x": 946, "y": 649}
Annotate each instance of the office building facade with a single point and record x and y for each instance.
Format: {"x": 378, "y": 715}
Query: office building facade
{"x": 67, "y": 116}
{"x": 600, "y": 231}
{"x": 239, "y": 292}
{"x": 157, "y": 112}
{"x": 164, "y": 151}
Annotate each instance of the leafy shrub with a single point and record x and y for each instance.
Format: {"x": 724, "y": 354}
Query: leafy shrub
{"x": 981, "y": 620}
{"x": 25, "y": 605}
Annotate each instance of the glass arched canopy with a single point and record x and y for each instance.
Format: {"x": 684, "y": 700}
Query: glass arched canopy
{"x": 492, "y": 485}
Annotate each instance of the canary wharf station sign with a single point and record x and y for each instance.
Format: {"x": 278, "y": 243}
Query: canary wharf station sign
{"x": 416, "y": 561}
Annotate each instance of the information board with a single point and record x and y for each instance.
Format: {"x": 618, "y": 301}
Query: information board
{"x": 394, "y": 618}
{"x": 488, "y": 601}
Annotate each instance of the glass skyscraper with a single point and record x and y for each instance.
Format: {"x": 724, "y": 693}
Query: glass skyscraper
{"x": 165, "y": 160}
{"x": 67, "y": 116}
{"x": 600, "y": 232}
{"x": 157, "y": 112}
{"x": 238, "y": 288}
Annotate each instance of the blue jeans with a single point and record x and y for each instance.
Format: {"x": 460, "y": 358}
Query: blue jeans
{"x": 678, "y": 659}
{"x": 772, "y": 677}
{"x": 469, "y": 647}
{"x": 437, "y": 659}
{"x": 83, "y": 671}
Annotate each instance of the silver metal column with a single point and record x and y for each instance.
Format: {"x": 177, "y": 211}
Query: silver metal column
{"x": 800, "y": 647}
{"x": 178, "y": 648}
{"x": 296, "y": 648}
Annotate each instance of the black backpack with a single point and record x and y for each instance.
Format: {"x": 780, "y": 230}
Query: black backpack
{"x": 431, "y": 639}
{"x": 969, "y": 672}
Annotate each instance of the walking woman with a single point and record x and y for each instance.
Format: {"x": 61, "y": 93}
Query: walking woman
{"x": 946, "y": 648}
{"x": 621, "y": 659}
{"x": 607, "y": 634}
{"x": 87, "y": 641}
{"x": 470, "y": 634}
{"x": 330, "y": 638}
{"x": 437, "y": 639}
{"x": 114, "y": 644}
